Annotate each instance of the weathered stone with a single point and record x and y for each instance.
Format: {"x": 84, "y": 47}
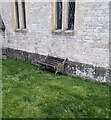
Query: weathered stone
{"x": 88, "y": 46}
{"x": 73, "y": 68}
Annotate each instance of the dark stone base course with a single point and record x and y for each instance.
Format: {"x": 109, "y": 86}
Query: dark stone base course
{"x": 23, "y": 55}
{"x": 72, "y": 68}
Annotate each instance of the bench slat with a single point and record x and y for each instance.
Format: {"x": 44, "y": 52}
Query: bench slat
{"x": 54, "y": 63}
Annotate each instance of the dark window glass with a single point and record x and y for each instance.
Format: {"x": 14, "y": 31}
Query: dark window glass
{"x": 59, "y": 14}
{"x": 24, "y": 14}
{"x": 71, "y": 14}
{"x": 17, "y": 14}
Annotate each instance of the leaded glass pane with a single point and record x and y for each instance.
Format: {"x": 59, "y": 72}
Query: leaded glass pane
{"x": 71, "y": 14}
{"x": 24, "y": 14}
{"x": 59, "y": 14}
{"x": 17, "y": 14}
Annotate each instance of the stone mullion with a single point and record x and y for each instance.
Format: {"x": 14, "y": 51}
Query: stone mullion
{"x": 14, "y": 16}
{"x": 65, "y": 14}
{"x": 20, "y": 14}
{"x": 54, "y": 15}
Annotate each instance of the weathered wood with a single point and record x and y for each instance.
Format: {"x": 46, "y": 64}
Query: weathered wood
{"x": 54, "y": 63}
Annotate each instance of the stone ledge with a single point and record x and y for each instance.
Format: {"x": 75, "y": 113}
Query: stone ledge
{"x": 100, "y": 74}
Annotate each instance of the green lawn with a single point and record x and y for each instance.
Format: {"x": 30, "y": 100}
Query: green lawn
{"x": 30, "y": 92}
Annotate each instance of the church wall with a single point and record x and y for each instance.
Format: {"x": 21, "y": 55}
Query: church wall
{"x": 89, "y": 44}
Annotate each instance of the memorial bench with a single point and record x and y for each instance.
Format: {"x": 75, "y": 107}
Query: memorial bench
{"x": 54, "y": 63}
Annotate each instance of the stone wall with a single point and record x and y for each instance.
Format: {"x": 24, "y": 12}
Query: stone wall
{"x": 89, "y": 44}
{"x": 110, "y": 35}
{"x": 71, "y": 68}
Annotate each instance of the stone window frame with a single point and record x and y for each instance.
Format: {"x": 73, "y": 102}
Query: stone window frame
{"x": 17, "y": 14}
{"x": 22, "y": 28}
{"x": 64, "y": 18}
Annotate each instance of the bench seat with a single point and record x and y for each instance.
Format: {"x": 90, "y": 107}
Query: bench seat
{"x": 54, "y": 63}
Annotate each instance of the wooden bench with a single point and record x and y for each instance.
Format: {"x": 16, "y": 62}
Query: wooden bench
{"x": 54, "y": 63}
{"x": 4, "y": 53}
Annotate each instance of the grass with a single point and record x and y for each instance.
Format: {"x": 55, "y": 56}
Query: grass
{"x": 30, "y": 92}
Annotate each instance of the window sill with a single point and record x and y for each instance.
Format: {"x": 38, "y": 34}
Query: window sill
{"x": 69, "y": 31}
{"x": 64, "y": 32}
{"x": 21, "y": 30}
{"x": 57, "y": 31}
{"x": 24, "y": 30}
{"x": 17, "y": 30}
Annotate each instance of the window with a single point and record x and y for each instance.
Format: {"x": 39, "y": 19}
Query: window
{"x": 17, "y": 14}
{"x": 64, "y": 16}
{"x": 59, "y": 14}
{"x": 24, "y": 15}
{"x": 71, "y": 14}
{"x": 20, "y": 14}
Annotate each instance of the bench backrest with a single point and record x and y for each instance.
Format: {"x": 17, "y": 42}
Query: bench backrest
{"x": 54, "y": 60}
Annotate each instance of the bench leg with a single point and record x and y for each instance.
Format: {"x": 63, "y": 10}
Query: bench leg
{"x": 56, "y": 72}
{"x": 4, "y": 57}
